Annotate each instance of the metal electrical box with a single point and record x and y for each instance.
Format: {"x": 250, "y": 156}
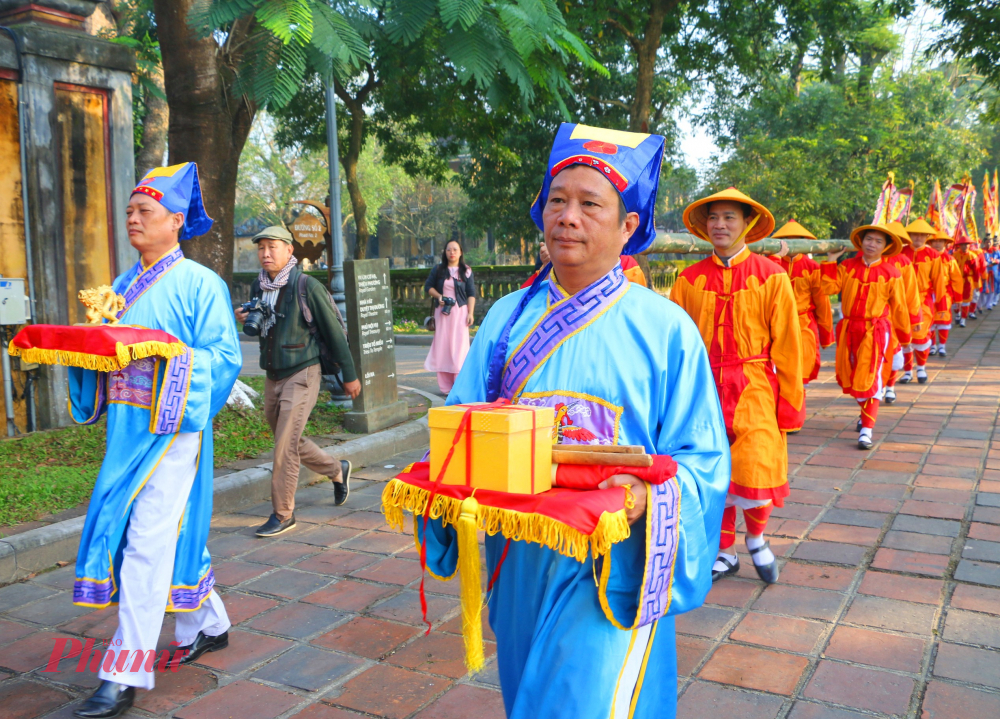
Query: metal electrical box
{"x": 14, "y": 306}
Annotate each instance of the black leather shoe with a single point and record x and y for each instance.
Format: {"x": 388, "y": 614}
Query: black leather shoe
{"x": 202, "y": 643}
{"x": 858, "y": 426}
{"x": 767, "y": 572}
{"x": 110, "y": 699}
{"x": 864, "y": 442}
{"x": 274, "y": 526}
{"x": 730, "y": 568}
{"x": 342, "y": 489}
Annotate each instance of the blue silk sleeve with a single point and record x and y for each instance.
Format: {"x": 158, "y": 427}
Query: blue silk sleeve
{"x": 692, "y": 431}
{"x": 216, "y": 356}
{"x": 87, "y": 395}
{"x": 442, "y": 547}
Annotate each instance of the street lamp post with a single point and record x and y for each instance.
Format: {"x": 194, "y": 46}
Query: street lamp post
{"x": 337, "y": 281}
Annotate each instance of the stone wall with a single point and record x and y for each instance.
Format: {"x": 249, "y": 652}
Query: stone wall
{"x": 409, "y": 302}
{"x": 408, "y": 298}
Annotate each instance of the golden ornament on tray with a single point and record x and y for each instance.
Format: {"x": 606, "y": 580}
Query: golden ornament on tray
{"x": 102, "y": 303}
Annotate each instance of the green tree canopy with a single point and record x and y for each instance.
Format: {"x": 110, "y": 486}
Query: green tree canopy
{"x": 823, "y": 158}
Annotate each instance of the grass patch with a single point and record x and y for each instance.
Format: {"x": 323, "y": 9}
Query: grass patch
{"x": 244, "y": 434}
{"x": 47, "y": 472}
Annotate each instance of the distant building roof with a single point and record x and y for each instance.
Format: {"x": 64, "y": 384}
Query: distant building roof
{"x": 250, "y": 227}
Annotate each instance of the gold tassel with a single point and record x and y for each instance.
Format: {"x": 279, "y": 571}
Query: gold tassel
{"x": 124, "y": 354}
{"x": 472, "y": 595}
{"x": 611, "y": 528}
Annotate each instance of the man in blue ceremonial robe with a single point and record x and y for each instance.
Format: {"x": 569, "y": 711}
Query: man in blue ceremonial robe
{"x": 620, "y": 365}
{"x": 143, "y": 543}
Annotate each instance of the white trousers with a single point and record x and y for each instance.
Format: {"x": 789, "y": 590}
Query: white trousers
{"x": 148, "y": 566}
{"x": 733, "y": 500}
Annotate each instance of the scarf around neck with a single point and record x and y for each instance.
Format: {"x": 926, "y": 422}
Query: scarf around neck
{"x": 270, "y": 289}
{"x": 267, "y": 284}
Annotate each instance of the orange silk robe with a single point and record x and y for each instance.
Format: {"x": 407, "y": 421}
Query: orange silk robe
{"x": 911, "y": 295}
{"x": 980, "y": 267}
{"x": 874, "y": 302}
{"x": 932, "y": 287}
{"x": 746, "y": 314}
{"x": 815, "y": 313}
{"x": 968, "y": 264}
{"x": 955, "y": 286}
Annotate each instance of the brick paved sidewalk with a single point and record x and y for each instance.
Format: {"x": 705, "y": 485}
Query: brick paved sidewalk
{"x": 888, "y": 604}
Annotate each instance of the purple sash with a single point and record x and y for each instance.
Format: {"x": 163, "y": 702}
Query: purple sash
{"x": 148, "y": 277}
{"x": 661, "y": 550}
{"x": 166, "y": 419}
{"x": 565, "y": 316}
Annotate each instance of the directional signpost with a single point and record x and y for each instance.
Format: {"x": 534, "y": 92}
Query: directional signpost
{"x": 369, "y": 329}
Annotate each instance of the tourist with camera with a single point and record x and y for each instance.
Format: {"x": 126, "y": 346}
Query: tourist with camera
{"x": 453, "y": 290}
{"x": 299, "y": 330}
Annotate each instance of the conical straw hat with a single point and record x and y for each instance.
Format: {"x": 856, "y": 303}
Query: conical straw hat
{"x": 696, "y": 215}
{"x": 792, "y": 230}
{"x": 893, "y": 247}
{"x": 897, "y": 227}
{"x": 920, "y": 226}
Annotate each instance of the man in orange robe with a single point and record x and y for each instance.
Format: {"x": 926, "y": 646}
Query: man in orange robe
{"x": 968, "y": 262}
{"x": 952, "y": 296}
{"x": 745, "y": 309}
{"x": 815, "y": 312}
{"x": 932, "y": 286}
{"x": 976, "y": 301}
{"x": 902, "y": 350}
{"x": 873, "y": 301}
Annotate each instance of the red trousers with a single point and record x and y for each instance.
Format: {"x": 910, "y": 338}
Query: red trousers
{"x": 756, "y": 521}
{"x": 869, "y": 412}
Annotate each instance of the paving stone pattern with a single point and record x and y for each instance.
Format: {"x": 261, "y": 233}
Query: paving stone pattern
{"x": 888, "y": 603}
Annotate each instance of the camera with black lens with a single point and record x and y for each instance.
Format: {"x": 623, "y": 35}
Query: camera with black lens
{"x": 446, "y": 304}
{"x": 257, "y": 313}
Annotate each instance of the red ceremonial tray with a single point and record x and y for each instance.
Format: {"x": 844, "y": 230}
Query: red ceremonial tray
{"x": 99, "y": 347}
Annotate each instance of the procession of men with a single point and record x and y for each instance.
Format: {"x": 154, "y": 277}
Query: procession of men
{"x": 711, "y": 381}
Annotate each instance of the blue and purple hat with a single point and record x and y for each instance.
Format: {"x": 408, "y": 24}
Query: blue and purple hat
{"x": 177, "y": 188}
{"x": 629, "y": 160}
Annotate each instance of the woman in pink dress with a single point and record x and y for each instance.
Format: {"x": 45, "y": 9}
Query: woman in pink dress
{"x": 454, "y": 291}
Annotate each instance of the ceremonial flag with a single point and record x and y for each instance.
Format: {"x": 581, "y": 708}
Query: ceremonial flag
{"x": 893, "y": 205}
{"x": 969, "y": 211}
{"x": 884, "y": 204}
{"x": 989, "y": 208}
{"x": 902, "y": 200}
{"x": 935, "y": 208}
{"x": 995, "y": 194}
{"x": 952, "y": 211}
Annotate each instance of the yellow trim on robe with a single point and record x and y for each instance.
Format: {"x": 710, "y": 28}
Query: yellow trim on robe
{"x": 642, "y": 669}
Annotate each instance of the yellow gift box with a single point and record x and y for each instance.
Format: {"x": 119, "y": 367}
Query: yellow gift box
{"x": 496, "y": 452}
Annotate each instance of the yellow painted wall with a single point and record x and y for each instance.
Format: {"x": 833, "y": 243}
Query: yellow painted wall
{"x": 83, "y": 173}
{"x": 13, "y": 262}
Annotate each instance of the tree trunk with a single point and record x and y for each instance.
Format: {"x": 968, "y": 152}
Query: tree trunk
{"x": 349, "y": 159}
{"x": 154, "y": 130}
{"x": 645, "y": 50}
{"x": 796, "y": 71}
{"x": 208, "y": 124}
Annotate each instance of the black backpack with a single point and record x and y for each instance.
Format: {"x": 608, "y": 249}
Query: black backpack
{"x": 328, "y": 365}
